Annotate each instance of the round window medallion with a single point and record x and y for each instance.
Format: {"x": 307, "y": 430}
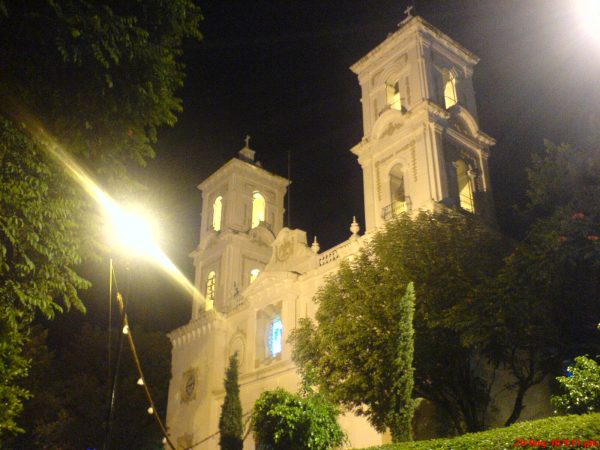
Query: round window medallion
{"x": 188, "y": 391}
{"x": 190, "y": 385}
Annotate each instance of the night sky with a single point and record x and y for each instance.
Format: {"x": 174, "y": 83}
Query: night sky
{"x": 278, "y": 71}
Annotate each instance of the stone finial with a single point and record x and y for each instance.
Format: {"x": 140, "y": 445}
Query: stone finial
{"x": 315, "y": 247}
{"x": 354, "y": 227}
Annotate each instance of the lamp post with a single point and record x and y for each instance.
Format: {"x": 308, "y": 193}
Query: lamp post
{"x": 133, "y": 234}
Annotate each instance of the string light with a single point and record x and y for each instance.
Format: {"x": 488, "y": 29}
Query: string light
{"x": 150, "y": 410}
{"x": 126, "y": 329}
{"x": 140, "y": 381}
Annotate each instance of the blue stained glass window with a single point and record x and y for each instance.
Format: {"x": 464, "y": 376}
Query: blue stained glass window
{"x": 276, "y": 336}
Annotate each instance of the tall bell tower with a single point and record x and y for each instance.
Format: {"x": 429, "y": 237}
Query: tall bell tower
{"x": 422, "y": 148}
{"x": 242, "y": 212}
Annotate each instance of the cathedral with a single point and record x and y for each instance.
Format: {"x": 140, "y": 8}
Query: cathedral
{"x": 421, "y": 149}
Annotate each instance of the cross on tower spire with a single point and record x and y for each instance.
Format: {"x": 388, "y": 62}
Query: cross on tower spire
{"x": 408, "y": 12}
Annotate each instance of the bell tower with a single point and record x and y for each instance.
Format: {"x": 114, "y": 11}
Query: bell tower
{"x": 242, "y": 212}
{"x": 422, "y": 148}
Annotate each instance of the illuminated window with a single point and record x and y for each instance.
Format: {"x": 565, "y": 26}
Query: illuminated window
{"x": 254, "y": 275}
{"x": 465, "y": 186}
{"x": 217, "y": 213}
{"x": 275, "y": 336}
{"x": 392, "y": 94}
{"x": 258, "y": 209}
{"x": 211, "y": 281}
{"x": 397, "y": 192}
{"x": 450, "y": 98}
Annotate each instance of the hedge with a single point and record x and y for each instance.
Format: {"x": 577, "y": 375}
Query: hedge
{"x": 565, "y": 431}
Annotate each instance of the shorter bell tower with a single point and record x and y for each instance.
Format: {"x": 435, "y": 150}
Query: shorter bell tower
{"x": 422, "y": 148}
{"x": 242, "y": 212}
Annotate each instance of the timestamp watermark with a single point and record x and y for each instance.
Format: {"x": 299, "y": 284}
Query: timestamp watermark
{"x": 574, "y": 443}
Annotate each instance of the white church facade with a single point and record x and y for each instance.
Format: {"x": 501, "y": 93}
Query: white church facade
{"x": 422, "y": 149}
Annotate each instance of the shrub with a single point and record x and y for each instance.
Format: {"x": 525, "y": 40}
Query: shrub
{"x": 230, "y": 422}
{"x": 581, "y": 431}
{"x": 581, "y": 388}
{"x": 285, "y": 421}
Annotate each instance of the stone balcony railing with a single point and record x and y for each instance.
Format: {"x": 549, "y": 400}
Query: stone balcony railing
{"x": 395, "y": 209}
{"x": 339, "y": 251}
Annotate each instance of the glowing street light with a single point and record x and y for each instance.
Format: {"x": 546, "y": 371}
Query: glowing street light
{"x": 588, "y": 12}
{"x": 132, "y": 232}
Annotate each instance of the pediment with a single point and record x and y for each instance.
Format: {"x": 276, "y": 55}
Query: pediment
{"x": 290, "y": 251}
{"x": 388, "y": 123}
{"x": 463, "y": 121}
{"x": 262, "y": 235}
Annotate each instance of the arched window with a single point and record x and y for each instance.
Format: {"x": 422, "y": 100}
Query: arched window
{"x": 275, "y": 336}
{"x": 392, "y": 94}
{"x": 217, "y": 213}
{"x": 450, "y": 98}
{"x": 258, "y": 209}
{"x": 397, "y": 191}
{"x": 211, "y": 282}
{"x": 465, "y": 186}
{"x": 254, "y": 275}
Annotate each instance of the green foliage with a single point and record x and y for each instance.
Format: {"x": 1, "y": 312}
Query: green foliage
{"x": 231, "y": 428}
{"x": 362, "y": 350}
{"x": 584, "y": 429}
{"x": 357, "y": 353}
{"x": 581, "y": 389}
{"x": 99, "y": 78}
{"x": 40, "y": 244}
{"x": 68, "y": 410}
{"x": 543, "y": 307}
{"x": 13, "y": 367}
{"x": 285, "y": 421}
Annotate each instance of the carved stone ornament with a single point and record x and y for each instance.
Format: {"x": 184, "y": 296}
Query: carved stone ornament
{"x": 390, "y": 129}
{"x": 238, "y": 345}
{"x": 284, "y": 250}
{"x": 289, "y": 249}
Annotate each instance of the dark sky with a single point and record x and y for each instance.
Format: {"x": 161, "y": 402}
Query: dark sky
{"x": 278, "y": 71}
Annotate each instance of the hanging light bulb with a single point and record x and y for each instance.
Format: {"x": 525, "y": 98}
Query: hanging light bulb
{"x": 126, "y": 329}
{"x": 150, "y": 410}
{"x": 140, "y": 381}
{"x": 164, "y": 440}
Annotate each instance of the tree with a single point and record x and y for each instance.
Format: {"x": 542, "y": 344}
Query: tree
{"x": 353, "y": 350}
{"x": 542, "y": 308}
{"x": 66, "y": 411}
{"x": 40, "y": 244}
{"x": 285, "y": 421}
{"x": 99, "y": 78}
{"x": 231, "y": 428}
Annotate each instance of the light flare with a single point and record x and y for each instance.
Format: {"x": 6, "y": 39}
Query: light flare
{"x": 133, "y": 231}
{"x": 588, "y": 12}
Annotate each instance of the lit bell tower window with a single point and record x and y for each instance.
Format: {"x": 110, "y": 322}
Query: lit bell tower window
{"x": 258, "y": 209}
{"x": 217, "y": 213}
{"x": 211, "y": 281}
{"x": 397, "y": 191}
{"x": 465, "y": 186}
{"x": 392, "y": 94}
{"x": 450, "y": 98}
